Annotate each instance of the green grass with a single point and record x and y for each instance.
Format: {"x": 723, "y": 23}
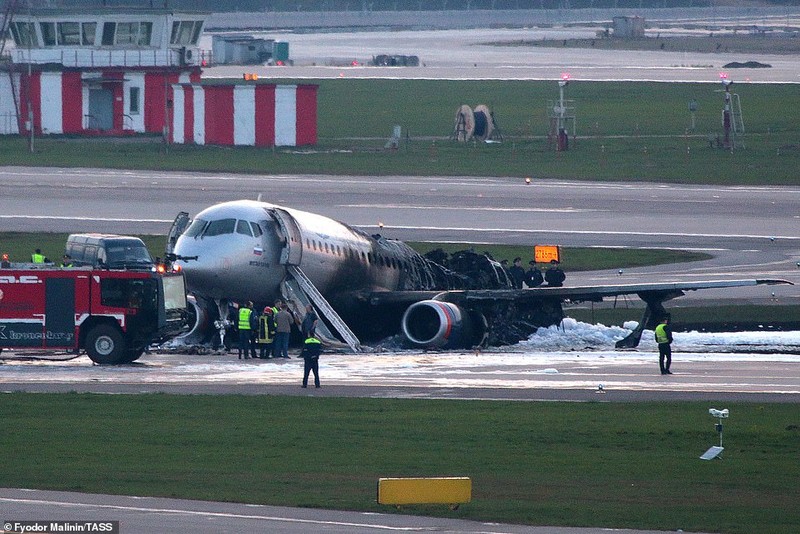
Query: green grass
{"x": 602, "y": 465}
{"x": 634, "y": 131}
{"x": 576, "y": 258}
{"x": 19, "y": 246}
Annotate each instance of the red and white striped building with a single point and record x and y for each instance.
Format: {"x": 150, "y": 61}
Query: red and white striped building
{"x": 134, "y": 71}
{"x": 254, "y": 115}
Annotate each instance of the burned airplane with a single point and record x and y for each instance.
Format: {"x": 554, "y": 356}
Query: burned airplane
{"x": 367, "y": 287}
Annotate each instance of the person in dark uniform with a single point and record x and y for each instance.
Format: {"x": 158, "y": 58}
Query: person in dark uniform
{"x": 309, "y": 324}
{"x": 517, "y": 273}
{"x": 310, "y": 353}
{"x": 663, "y": 334}
{"x": 554, "y": 276}
{"x": 533, "y": 276}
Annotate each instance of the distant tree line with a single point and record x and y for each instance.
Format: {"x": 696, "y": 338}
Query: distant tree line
{"x": 392, "y": 5}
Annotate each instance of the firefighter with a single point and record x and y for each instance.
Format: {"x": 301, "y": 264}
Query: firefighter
{"x": 266, "y": 333}
{"x": 5, "y": 263}
{"x": 66, "y": 261}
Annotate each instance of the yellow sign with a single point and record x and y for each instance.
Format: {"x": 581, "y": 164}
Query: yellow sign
{"x": 436, "y": 490}
{"x": 546, "y": 253}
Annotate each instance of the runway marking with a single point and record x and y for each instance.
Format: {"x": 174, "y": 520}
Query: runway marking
{"x": 66, "y": 218}
{"x": 444, "y": 228}
{"x": 218, "y": 514}
{"x": 461, "y": 208}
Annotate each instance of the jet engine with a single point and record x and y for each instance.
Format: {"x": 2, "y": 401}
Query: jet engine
{"x": 199, "y": 322}
{"x": 442, "y": 325}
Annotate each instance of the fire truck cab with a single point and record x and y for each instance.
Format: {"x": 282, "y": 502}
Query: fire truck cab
{"x": 112, "y": 315}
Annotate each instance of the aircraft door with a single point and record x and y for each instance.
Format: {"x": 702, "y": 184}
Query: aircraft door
{"x": 292, "y": 251}
{"x": 179, "y": 225}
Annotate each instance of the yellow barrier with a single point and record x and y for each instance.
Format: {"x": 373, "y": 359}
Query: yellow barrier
{"x": 440, "y": 490}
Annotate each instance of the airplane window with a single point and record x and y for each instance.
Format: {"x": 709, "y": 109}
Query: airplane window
{"x": 243, "y": 228}
{"x": 338, "y": 250}
{"x": 256, "y": 229}
{"x": 220, "y": 227}
{"x": 369, "y": 257}
{"x": 363, "y": 257}
{"x": 326, "y": 247}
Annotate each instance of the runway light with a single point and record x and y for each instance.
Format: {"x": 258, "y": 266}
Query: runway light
{"x": 772, "y": 239}
{"x": 601, "y": 388}
{"x": 528, "y": 180}
{"x": 619, "y": 273}
{"x": 380, "y": 224}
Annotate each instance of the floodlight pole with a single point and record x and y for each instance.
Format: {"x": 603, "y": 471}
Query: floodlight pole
{"x": 726, "y": 115}
{"x": 562, "y": 139}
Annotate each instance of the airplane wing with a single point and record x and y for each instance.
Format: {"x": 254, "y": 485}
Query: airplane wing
{"x": 504, "y": 316}
{"x": 574, "y": 294}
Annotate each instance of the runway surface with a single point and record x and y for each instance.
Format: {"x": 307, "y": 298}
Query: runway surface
{"x": 517, "y": 374}
{"x": 751, "y": 231}
{"x": 161, "y": 515}
{"x": 468, "y": 54}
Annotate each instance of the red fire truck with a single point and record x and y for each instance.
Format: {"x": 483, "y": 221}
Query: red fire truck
{"x": 113, "y": 315}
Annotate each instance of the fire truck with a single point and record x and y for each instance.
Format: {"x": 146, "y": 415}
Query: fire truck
{"x": 111, "y": 314}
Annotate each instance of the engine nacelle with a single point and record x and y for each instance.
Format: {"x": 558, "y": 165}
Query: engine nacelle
{"x": 199, "y": 322}
{"x": 441, "y": 325}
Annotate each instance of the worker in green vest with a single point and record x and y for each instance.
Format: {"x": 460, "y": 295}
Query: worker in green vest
{"x": 247, "y": 342}
{"x": 663, "y": 335}
{"x": 66, "y": 261}
{"x": 38, "y": 257}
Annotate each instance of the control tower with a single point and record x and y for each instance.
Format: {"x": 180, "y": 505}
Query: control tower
{"x": 106, "y": 71}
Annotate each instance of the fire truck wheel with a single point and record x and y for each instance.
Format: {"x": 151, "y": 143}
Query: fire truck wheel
{"x": 105, "y": 345}
{"x": 131, "y": 355}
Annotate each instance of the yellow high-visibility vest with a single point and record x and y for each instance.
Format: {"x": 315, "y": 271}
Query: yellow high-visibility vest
{"x": 244, "y": 318}
{"x": 661, "y": 334}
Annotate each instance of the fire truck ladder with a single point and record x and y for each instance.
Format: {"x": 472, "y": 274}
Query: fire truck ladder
{"x": 310, "y": 291}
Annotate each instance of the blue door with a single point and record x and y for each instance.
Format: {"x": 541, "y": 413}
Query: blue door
{"x": 101, "y": 109}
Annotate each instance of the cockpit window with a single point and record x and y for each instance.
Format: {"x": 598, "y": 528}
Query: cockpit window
{"x": 196, "y": 228}
{"x": 242, "y": 227}
{"x": 256, "y": 229}
{"x": 220, "y": 227}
